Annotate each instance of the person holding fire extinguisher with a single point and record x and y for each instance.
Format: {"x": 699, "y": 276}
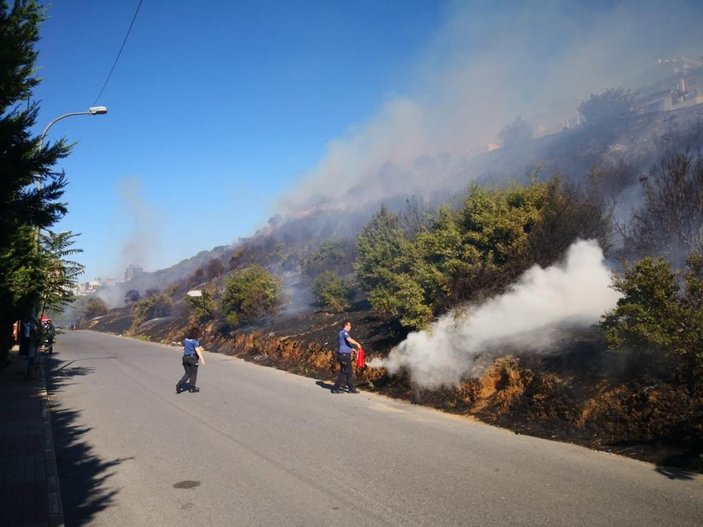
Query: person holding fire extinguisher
{"x": 344, "y": 357}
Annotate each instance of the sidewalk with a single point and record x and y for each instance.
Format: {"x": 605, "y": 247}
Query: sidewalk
{"x": 29, "y": 485}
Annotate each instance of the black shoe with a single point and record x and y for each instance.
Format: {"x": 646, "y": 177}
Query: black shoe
{"x": 178, "y": 387}
{"x": 354, "y": 390}
{"x": 194, "y": 390}
{"x": 335, "y": 390}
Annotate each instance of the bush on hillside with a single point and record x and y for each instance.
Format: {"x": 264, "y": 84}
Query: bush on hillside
{"x": 250, "y": 293}
{"x": 611, "y": 105}
{"x": 159, "y": 305}
{"x": 332, "y": 292}
{"x": 94, "y": 307}
{"x": 201, "y": 308}
{"x": 657, "y": 315}
{"x": 476, "y": 251}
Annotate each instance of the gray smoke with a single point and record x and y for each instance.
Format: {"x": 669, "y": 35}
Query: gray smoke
{"x": 485, "y": 67}
{"x": 531, "y": 317}
{"x": 143, "y": 241}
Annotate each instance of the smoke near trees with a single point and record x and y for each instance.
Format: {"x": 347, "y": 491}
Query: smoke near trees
{"x": 532, "y": 316}
{"x": 474, "y": 251}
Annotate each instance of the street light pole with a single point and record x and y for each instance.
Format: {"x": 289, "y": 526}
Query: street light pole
{"x": 93, "y": 110}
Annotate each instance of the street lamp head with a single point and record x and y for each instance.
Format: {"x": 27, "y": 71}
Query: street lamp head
{"x": 97, "y": 110}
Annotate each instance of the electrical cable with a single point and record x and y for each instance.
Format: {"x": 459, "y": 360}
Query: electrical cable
{"x": 136, "y": 12}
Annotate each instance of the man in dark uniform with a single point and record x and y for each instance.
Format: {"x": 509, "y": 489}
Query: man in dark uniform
{"x": 192, "y": 351}
{"x": 344, "y": 357}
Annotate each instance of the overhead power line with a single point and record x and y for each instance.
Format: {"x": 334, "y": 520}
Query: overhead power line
{"x": 119, "y": 52}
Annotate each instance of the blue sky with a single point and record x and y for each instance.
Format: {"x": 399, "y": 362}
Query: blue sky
{"x": 215, "y": 108}
{"x": 223, "y": 113}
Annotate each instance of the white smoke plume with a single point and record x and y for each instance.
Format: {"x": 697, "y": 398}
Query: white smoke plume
{"x": 531, "y": 316}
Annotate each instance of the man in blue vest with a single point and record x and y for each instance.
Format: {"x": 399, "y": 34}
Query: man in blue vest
{"x": 192, "y": 351}
{"x": 344, "y": 357}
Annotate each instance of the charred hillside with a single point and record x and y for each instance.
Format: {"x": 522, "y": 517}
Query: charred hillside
{"x": 410, "y": 264}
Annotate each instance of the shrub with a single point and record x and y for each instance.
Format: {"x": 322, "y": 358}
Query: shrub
{"x": 331, "y": 291}
{"x": 250, "y": 293}
{"x": 154, "y": 306}
{"x": 202, "y": 308}
{"x": 607, "y": 107}
{"x": 655, "y": 315}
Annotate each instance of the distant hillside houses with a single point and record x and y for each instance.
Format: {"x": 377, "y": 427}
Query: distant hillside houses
{"x": 132, "y": 272}
{"x": 92, "y": 287}
{"x": 684, "y": 87}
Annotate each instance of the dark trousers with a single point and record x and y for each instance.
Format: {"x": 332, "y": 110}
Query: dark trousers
{"x": 190, "y": 365}
{"x": 346, "y": 372}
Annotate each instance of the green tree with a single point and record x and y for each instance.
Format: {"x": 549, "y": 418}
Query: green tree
{"x": 25, "y": 207}
{"x": 331, "y": 291}
{"x": 496, "y": 225}
{"x": 59, "y": 273}
{"x": 567, "y": 214}
{"x": 382, "y": 249}
{"x": 383, "y": 268}
{"x": 439, "y": 256}
{"x": 155, "y": 306}
{"x": 655, "y": 316}
{"x": 250, "y": 293}
{"x": 402, "y": 298}
{"x": 202, "y": 308}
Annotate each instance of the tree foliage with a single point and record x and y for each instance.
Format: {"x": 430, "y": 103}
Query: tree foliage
{"x": 160, "y": 305}
{"x": 479, "y": 249}
{"x": 26, "y": 207}
{"x": 59, "y": 272}
{"x": 608, "y": 107}
{"x": 335, "y": 255}
{"x": 332, "y": 292}
{"x": 656, "y": 314}
{"x": 250, "y": 293}
{"x": 202, "y": 308}
{"x": 382, "y": 248}
{"x": 94, "y": 307}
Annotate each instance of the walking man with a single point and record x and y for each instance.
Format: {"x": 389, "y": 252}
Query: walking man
{"x": 344, "y": 357}
{"x": 192, "y": 351}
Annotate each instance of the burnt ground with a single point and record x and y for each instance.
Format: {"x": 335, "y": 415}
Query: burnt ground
{"x": 584, "y": 395}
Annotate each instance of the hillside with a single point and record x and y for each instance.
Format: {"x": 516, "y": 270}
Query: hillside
{"x": 581, "y": 392}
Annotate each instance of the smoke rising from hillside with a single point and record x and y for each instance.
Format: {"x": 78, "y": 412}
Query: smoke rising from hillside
{"x": 485, "y": 67}
{"x": 143, "y": 240}
{"x": 532, "y": 317}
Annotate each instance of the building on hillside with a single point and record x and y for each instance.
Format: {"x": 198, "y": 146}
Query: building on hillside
{"x": 681, "y": 88}
{"x": 132, "y": 272}
{"x": 91, "y": 287}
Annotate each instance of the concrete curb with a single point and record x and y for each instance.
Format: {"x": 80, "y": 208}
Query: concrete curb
{"x": 52, "y": 473}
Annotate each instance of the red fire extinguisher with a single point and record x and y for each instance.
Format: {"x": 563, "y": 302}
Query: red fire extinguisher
{"x": 360, "y": 358}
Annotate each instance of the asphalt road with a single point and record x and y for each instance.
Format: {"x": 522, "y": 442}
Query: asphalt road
{"x": 258, "y": 446}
